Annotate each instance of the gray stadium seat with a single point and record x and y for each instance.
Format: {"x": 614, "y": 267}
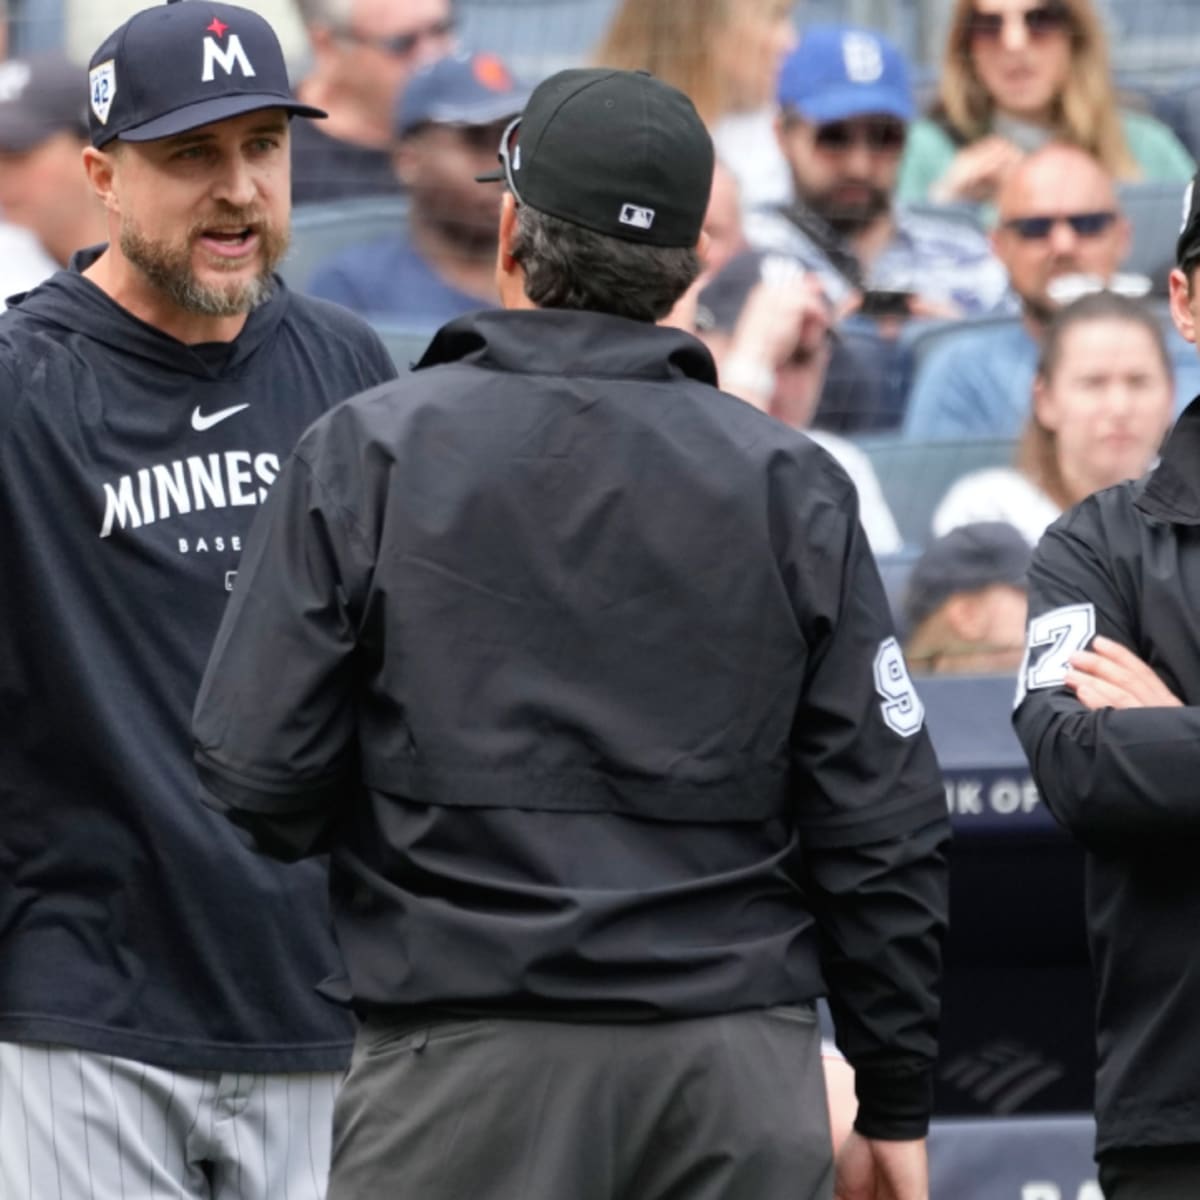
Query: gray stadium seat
{"x": 894, "y": 570}
{"x": 1154, "y": 210}
{"x": 404, "y": 343}
{"x": 916, "y": 475}
{"x": 320, "y": 231}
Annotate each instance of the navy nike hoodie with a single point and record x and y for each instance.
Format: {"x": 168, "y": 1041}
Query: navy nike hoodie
{"x": 132, "y": 920}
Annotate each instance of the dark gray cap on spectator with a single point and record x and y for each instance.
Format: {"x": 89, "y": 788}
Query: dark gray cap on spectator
{"x": 40, "y": 96}
{"x": 967, "y": 559}
{"x": 461, "y": 89}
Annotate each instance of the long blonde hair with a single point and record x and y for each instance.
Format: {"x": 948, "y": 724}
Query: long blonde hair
{"x": 674, "y": 40}
{"x": 1037, "y": 450}
{"x": 1086, "y": 112}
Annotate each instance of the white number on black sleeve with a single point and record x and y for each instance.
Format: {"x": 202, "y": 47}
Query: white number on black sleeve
{"x": 903, "y": 711}
{"x": 1065, "y": 631}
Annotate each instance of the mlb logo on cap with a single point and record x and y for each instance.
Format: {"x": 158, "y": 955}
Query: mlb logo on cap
{"x": 639, "y": 218}
{"x": 182, "y": 65}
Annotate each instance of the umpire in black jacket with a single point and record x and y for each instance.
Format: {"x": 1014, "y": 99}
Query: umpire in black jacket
{"x": 582, "y": 672}
{"x": 1108, "y": 710}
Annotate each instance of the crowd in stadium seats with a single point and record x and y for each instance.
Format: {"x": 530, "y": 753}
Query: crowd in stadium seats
{"x": 962, "y": 301}
{"x": 880, "y": 273}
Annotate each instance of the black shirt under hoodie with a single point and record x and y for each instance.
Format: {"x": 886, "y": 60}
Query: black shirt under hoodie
{"x": 132, "y": 920}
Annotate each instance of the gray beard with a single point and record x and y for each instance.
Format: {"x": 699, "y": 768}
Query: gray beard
{"x": 170, "y": 271}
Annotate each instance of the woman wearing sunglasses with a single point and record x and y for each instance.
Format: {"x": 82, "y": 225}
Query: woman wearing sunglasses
{"x": 1018, "y": 74}
{"x": 1102, "y": 402}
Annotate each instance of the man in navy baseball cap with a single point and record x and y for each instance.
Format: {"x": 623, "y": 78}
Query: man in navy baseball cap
{"x": 188, "y": 110}
{"x": 181, "y": 65}
{"x": 164, "y": 981}
{"x": 439, "y": 263}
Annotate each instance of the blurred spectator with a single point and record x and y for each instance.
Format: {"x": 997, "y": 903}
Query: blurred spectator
{"x": 767, "y": 325}
{"x": 723, "y": 221}
{"x": 1102, "y": 401}
{"x": 449, "y": 121}
{"x": 1059, "y": 217}
{"x": 23, "y": 263}
{"x": 1180, "y": 108}
{"x": 43, "y": 188}
{"x": 845, "y": 102}
{"x": 363, "y": 52}
{"x": 965, "y": 606}
{"x": 725, "y": 55}
{"x": 1016, "y": 75}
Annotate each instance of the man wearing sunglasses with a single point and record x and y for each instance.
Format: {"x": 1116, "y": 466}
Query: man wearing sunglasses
{"x": 582, "y": 671}
{"x": 1059, "y": 229}
{"x": 363, "y": 52}
{"x": 845, "y": 103}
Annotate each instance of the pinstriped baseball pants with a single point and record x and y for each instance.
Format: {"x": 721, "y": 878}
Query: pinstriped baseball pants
{"x": 81, "y": 1126}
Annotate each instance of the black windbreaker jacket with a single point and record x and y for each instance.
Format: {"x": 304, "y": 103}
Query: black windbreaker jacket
{"x": 133, "y": 922}
{"x": 609, "y": 654}
{"x": 1125, "y": 564}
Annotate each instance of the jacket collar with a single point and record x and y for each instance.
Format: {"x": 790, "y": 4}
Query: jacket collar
{"x": 557, "y": 341}
{"x": 1171, "y": 493}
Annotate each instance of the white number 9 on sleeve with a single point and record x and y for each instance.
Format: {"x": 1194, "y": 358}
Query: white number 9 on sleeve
{"x": 903, "y": 712}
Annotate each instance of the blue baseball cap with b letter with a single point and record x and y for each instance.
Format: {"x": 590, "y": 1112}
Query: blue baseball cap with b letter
{"x": 839, "y": 72}
{"x": 181, "y": 65}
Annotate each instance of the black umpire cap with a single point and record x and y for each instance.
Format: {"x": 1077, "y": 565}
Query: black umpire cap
{"x": 617, "y": 152}
{"x": 1187, "y": 249}
{"x": 181, "y": 65}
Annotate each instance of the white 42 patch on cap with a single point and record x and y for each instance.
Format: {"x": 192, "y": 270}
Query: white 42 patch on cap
{"x": 102, "y": 88}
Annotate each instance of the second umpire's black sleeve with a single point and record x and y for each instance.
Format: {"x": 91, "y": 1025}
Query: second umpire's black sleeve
{"x": 873, "y": 822}
{"x": 1108, "y": 775}
{"x": 274, "y": 728}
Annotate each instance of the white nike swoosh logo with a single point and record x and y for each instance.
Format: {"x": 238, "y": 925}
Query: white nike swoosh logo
{"x": 200, "y": 422}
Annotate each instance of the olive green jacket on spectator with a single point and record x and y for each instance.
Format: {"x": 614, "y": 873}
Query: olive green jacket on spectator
{"x": 930, "y": 151}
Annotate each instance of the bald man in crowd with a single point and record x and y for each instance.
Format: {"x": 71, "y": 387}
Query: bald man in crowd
{"x": 1059, "y": 230}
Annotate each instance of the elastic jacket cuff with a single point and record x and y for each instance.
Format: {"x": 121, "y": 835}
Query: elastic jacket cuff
{"x": 893, "y": 1106}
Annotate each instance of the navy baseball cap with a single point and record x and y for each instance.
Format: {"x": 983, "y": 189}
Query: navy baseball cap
{"x": 838, "y": 72}
{"x": 461, "y": 89}
{"x": 39, "y": 97}
{"x": 182, "y": 65}
{"x": 617, "y": 152}
{"x": 966, "y": 559}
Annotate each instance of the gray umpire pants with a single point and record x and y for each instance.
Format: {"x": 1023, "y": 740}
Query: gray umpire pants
{"x": 714, "y": 1108}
